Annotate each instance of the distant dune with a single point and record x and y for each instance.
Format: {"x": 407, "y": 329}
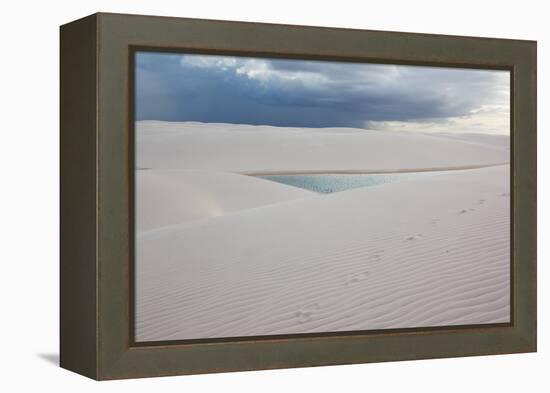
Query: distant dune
{"x": 246, "y": 149}
{"x": 221, "y": 254}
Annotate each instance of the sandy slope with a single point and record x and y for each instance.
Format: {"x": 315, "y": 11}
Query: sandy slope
{"x": 427, "y": 252}
{"x": 167, "y": 197}
{"x": 253, "y": 149}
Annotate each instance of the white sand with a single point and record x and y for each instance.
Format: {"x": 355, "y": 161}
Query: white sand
{"x": 265, "y": 149}
{"x": 221, "y": 254}
{"x": 167, "y": 197}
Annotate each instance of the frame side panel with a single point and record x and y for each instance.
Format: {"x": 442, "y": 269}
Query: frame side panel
{"x": 525, "y": 196}
{"x": 78, "y": 190}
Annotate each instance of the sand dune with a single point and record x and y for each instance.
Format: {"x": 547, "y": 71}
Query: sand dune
{"x": 487, "y": 140}
{"x": 265, "y": 149}
{"x": 168, "y": 197}
{"x": 426, "y": 252}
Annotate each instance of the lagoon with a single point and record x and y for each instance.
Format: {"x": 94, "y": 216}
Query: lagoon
{"x": 329, "y": 183}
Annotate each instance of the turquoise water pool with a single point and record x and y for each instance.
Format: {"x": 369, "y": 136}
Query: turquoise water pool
{"x": 328, "y": 183}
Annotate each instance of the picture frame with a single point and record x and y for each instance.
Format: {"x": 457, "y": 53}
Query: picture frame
{"x": 97, "y": 162}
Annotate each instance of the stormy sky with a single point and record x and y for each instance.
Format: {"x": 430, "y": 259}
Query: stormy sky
{"x": 300, "y": 93}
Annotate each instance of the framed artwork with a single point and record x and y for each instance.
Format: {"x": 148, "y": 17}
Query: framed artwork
{"x": 240, "y": 196}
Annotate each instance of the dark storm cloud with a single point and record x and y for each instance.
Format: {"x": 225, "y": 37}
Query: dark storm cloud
{"x": 300, "y": 93}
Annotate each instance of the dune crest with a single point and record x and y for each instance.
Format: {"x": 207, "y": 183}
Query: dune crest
{"x": 265, "y": 149}
{"x": 168, "y": 197}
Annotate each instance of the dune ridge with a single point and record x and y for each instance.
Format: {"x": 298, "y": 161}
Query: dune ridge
{"x": 168, "y": 197}
{"x": 259, "y": 149}
{"x": 369, "y": 172}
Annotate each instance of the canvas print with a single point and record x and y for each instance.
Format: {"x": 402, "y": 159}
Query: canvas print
{"x": 290, "y": 196}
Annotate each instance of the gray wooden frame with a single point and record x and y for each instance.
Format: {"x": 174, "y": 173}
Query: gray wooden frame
{"x": 97, "y": 195}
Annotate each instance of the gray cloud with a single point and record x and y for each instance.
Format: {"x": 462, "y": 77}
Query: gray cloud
{"x": 302, "y": 93}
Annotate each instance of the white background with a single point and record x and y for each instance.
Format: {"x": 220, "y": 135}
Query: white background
{"x": 29, "y": 194}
